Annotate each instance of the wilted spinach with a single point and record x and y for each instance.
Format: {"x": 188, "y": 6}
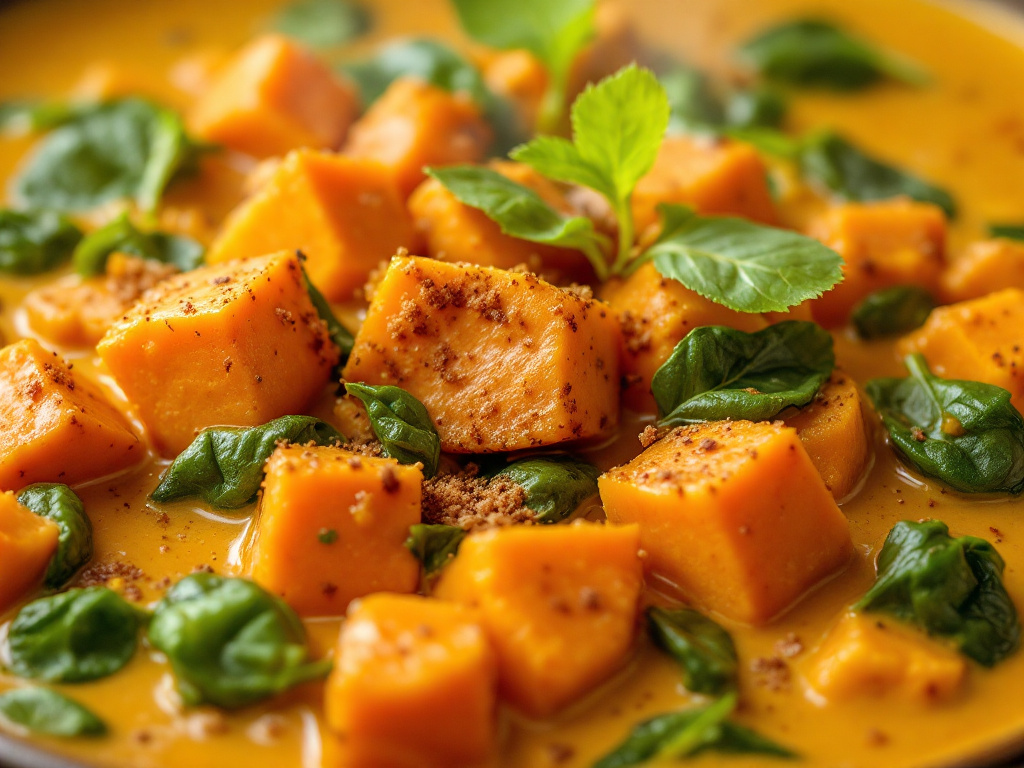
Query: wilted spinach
{"x": 703, "y": 649}
{"x": 41, "y": 710}
{"x": 697, "y": 107}
{"x": 323, "y": 23}
{"x": 121, "y": 236}
{"x": 1009, "y": 231}
{"x": 555, "y": 485}
{"x": 340, "y": 335}
{"x": 35, "y": 241}
{"x": 402, "y": 425}
{"x": 60, "y": 504}
{"x": 434, "y": 545}
{"x": 892, "y": 311}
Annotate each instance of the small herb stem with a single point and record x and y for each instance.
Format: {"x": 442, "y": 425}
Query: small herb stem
{"x": 624, "y": 214}
{"x": 691, "y": 737}
{"x": 552, "y": 107}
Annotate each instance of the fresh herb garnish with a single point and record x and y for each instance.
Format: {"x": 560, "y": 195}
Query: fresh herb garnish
{"x": 402, "y": 424}
{"x": 1008, "y": 231}
{"x": 41, "y": 710}
{"x": 555, "y": 486}
{"x": 327, "y": 536}
{"x": 703, "y": 649}
{"x": 951, "y": 588}
{"x": 32, "y": 242}
{"x": 323, "y": 23}
{"x": 892, "y": 311}
{"x": 121, "y": 236}
{"x": 434, "y": 545}
{"x": 60, "y": 504}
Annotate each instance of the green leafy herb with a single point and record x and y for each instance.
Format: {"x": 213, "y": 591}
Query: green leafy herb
{"x": 950, "y": 588}
{"x": 340, "y": 335}
{"x": 224, "y": 465}
{"x": 744, "y": 266}
{"x": 127, "y": 149}
{"x": 892, "y": 311}
{"x": 703, "y": 649}
{"x": 327, "y": 536}
{"x": 28, "y": 115}
{"x": 60, "y": 504}
{"x": 814, "y": 53}
{"x": 120, "y": 235}
{"x": 434, "y": 545}
{"x": 757, "y": 107}
{"x": 323, "y": 23}
{"x": 521, "y": 212}
{"x": 402, "y": 425}
{"x": 1009, "y": 231}
{"x": 965, "y": 433}
{"x": 693, "y": 103}
{"x": 41, "y": 710}
{"x": 851, "y": 174}
{"x": 74, "y": 636}
{"x": 231, "y": 643}
{"x": 555, "y": 485}
{"x": 35, "y": 241}
{"x": 721, "y": 373}
{"x": 689, "y": 733}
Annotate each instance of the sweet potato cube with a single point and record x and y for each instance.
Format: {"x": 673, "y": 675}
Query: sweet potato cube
{"x": 238, "y": 343}
{"x": 415, "y": 685}
{"x": 864, "y": 656}
{"x": 979, "y": 340}
{"x": 414, "y": 124}
{"x": 456, "y": 232}
{"x": 895, "y": 242}
{"x": 655, "y": 314}
{"x": 27, "y": 542}
{"x": 56, "y": 426}
{"x": 332, "y": 526}
{"x": 520, "y": 77}
{"x": 273, "y": 97}
{"x": 544, "y": 593}
{"x": 714, "y": 177}
{"x": 985, "y": 267}
{"x": 344, "y": 214}
{"x": 734, "y": 514}
{"x": 834, "y": 433}
{"x": 502, "y": 360}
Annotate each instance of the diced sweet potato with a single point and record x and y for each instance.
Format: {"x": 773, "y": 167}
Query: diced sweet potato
{"x": 414, "y": 124}
{"x": 834, "y": 433}
{"x": 457, "y": 232}
{"x": 544, "y": 593}
{"x": 273, "y": 97}
{"x": 979, "y": 340}
{"x": 656, "y": 313}
{"x": 414, "y": 685}
{"x": 55, "y": 426}
{"x": 502, "y": 360}
{"x": 734, "y": 514}
{"x": 867, "y": 656}
{"x": 344, "y": 517}
{"x": 722, "y": 178}
{"x": 344, "y": 214}
{"x": 27, "y": 542}
{"x": 518, "y": 76}
{"x": 237, "y": 343}
{"x": 895, "y": 242}
{"x": 985, "y": 267}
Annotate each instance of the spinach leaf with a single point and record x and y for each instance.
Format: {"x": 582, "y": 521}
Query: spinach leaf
{"x": 60, "y": 504}
{"x": 849, "y": 173}
{"x": 555, "y": 485}
{"x": 74, "y": 636}
{"x": 1009, "y": 231}
{"x": 815, "y": 53}
{"x": 323, "y": 23}
{"x": 720, "y": 373}
{"x": 29, "y": 116}
{"x": 127, "y": 149}
{"x": 521, "y": 212}
{"x": 892, "y": 311}
{"x": 224, "y": 465}
{"x": 35, "y": 241}
{"x": 121, "y": 236}
{"x": 231, "y": 643}
{"x": 965, "y": 433}
{"x": 340, "y": 335}
{"x": 402, "y": 425}
{"x": 41, "y": 710}
{"x": 694, "y": 105}
{"x": 690, "y": 733}
{"x": 434, "y": 545}
{"x": 951, "y": 588}
{"x": 744, "y": 266}
{"x": 757, "y": 107}
{"x": 703, "y": 649}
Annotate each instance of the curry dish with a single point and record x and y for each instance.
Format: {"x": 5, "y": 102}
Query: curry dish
{"x": 465, "y": 383}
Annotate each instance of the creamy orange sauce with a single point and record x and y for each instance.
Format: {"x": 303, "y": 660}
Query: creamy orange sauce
{"x": 965, "y": 131}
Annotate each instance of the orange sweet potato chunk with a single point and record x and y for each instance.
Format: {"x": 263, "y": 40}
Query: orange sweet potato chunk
{"x": 655, "y": 314}
{"x": 502, "y": 360}
{"x": 834, "y": 433}
{"x": 27, "y": 542}
{"x": 714, "y": 177}
{"x": 238, "y": 343}
{"x": 344, "y": 214}
{"x": 734, "y": 514}
{"x": 414, "y": 685}
{"x": 544, "y": 594}
{"x": 985, "y": 267}
{"x": 273, "y": 97}
{"x": 520, "y": 77}
{"x": 414, "y": 124}
{"x": 895, "y": 242}
{"x": 344, "y": 518}
{"x": 979, "y": 340}
{"x": 56, "y": 426}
